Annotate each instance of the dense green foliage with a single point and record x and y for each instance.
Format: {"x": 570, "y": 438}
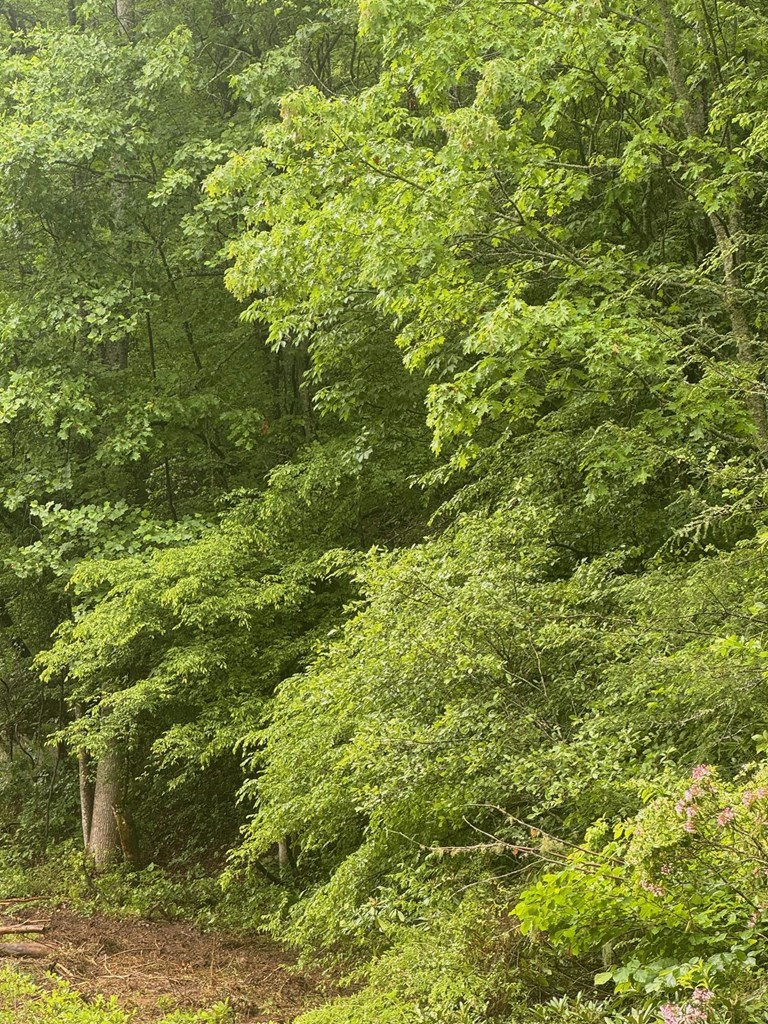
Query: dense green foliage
{"x": 383, "y": 426}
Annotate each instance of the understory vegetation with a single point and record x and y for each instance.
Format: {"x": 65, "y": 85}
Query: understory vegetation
{"x": 383, "y": 494}
{"x": 24, "y": 1002}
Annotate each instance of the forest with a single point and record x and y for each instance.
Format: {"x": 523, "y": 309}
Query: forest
{"x": 383, "y": 527}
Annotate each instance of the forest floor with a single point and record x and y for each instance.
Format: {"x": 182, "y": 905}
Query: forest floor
{"x": 153, "y": 967}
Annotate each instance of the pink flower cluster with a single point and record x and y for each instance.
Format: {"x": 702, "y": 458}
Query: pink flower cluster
{"x": 651, "y": 887}
{"x": 725, "y": 816}
{"x": 693, "y": 1012}
{"x": 749, "y": 796}
{"x": 687, "y": 807}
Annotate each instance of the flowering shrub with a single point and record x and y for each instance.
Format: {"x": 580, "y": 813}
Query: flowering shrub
{"x": 678, "y": 896}
{"x": 692, "y": 1012}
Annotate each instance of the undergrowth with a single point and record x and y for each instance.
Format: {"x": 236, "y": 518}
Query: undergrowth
{"x": 153, "y": 892}
{"x": 22, "y": 1001}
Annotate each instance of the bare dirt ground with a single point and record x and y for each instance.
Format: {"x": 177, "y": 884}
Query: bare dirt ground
{"x": 154, "y": 967}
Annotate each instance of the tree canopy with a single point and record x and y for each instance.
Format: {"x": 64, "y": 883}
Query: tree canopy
{"x": 383, "y": 516}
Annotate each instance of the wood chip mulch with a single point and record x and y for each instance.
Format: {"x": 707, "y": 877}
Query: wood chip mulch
{"x": 154, "y": 967}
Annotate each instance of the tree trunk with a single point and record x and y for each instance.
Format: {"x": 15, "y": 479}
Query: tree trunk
{"x": 103, "y": 838}
{"x": 129, "y": 840}
{"x": 125, "y": 15}
{"x": 86, "y": 794}
{"x": 285, "y": 858}
{"x": 282, "y": 856}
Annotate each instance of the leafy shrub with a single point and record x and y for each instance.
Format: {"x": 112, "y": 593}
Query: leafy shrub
{"x": 676, "y": 898}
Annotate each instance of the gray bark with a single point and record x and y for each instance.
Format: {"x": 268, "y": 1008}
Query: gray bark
{"x": 103, "y": 839}
{"x": 86, "y": 794}
{"x": 124, "y": 11}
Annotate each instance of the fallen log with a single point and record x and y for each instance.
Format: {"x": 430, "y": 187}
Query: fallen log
{"x": 22, "y": 929}
{"x": 10, "y": 902}
{"x": 33, "y": 949}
